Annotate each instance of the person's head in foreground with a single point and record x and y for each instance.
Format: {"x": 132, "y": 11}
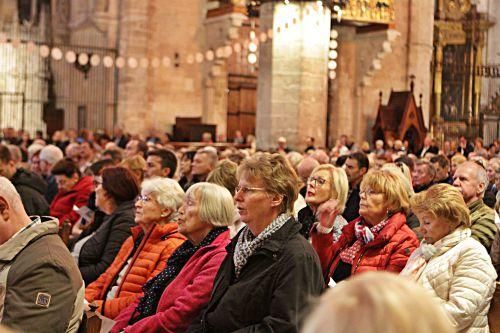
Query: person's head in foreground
{"x": 377, "y": 302}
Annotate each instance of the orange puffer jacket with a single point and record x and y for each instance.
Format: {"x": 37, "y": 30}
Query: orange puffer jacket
{"x": 148, "y": 260}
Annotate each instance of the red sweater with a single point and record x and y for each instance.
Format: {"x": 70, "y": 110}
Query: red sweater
{"x": 148, "y": 260}
{"x": 62, "y": 205}
{"x": 185, "y": 297}
{"x": 389, "y": 251}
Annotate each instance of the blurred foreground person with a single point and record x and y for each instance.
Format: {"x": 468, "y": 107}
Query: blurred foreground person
{"x": 377, "y": 302}
{"x": 378, "y": 240}
{"x": 41, "y": 289}
{"x": 450, "y": 263}
{"x": 177, "y": 295}
{"x": 144, "y": 254}
{"x": 270, "y": 271}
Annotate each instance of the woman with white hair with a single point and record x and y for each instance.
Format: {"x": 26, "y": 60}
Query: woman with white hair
{"x": 449, "y": 263}
{"x": 176, "y": 296}
{"x": 144, "y": 254}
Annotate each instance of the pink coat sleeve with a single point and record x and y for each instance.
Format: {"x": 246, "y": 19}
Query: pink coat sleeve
{"x": 121, "y": 321}
{"x": 186, "y": 308}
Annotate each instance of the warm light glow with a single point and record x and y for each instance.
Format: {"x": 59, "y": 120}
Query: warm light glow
{"x": 190, "y": 59}
{"x": 252, "y": 58}
{"x": 252, "y": 35}
{"x": 83, "y": 59}
{"x": 334, "y": 34}
{"x": 30, "y": 46}
{"x": 70, "y": 57}
{"x": 332, "y": 64}
{"x": 209, "y": 55}
{"x": 219, "y": 52}
{"x": 228, "y": 50}
{"x": 107, "y": 61}
{"x": 144, "y": 63}
{"x": 44, "y": 51}
{"x": 262, "y": 37}
{"x": 333, "y": 54}
{"x": 95, "y": 60}
{"x": 332, "y": 75}
{"x": 132, "y": 62}
{"x": 155, "y": 62}
{"x": 165, "y": 61}
{"x": 237, "y": 47}
{"x": 56, "y": 53}
{"x": 252, "y": 47}
{"x": 120, "y": 62}
{"x": 333, "y": 44}
{"x": 199, "y": 57}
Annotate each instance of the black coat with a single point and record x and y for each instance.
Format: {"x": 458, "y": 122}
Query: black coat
{"x": 31, "y": 188}
{"x": 273, "y": 288}
{"x": 351, "y": 211}
{"x": 100, "y": 250}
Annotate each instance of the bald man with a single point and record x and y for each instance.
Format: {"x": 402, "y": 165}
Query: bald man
{"x": 472, "y": 180}
{"x": 41, "y": 289}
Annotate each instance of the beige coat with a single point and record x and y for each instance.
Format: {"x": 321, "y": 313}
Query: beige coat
{"x": 458, "y": 271}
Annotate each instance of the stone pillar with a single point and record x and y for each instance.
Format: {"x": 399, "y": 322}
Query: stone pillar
{"x": 420, "y": 48}
{"x": 342, "y": 102}
{"x": 292, "y": 83}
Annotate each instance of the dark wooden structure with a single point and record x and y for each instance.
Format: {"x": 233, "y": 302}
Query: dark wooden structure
{"x": 401, "y": 119}
{"x": 191, "y": 129}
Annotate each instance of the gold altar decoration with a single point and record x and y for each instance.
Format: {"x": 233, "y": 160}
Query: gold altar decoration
{"x": 367, "y": 11}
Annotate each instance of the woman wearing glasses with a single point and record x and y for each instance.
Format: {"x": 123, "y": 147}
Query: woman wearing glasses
{"x": 115, "y": 197}
{"x": 270, "y": 271}
{"x": 378, "y": 240}
{"x": 144, "y": 254}
{"x": 325, "y": 183}
{"x": 177, "y": 295}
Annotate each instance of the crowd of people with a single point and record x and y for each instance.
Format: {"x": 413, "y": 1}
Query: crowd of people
{"x": 199, "y": 239}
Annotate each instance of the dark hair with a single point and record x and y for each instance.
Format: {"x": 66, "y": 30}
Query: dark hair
{"x": 120, "y": 184}
{"x": 441, "y": 160}
{"x": 189, "y": 155}
{"x": 341, "y": 161}
{"x": 168, "y": 160}
{"x": 406, "y": 160}
{"x": 116, "y": 155}
{"x": 142, "y": 147}
{"x": 5, "y": 155}
{"x": 362, "y": 159}
{"x": 98, "y": 166}
{"x": 66, "y": 167}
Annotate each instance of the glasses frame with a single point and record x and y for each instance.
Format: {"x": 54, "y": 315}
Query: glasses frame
{"x": 247, "y": 190}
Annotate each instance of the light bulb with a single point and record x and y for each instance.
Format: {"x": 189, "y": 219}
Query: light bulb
{"x": 252, "y": 58}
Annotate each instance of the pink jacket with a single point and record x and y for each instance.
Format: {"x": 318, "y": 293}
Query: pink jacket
{"x": 184, "y": 298}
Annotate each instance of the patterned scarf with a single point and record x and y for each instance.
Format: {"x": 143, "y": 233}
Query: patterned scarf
{"x": 364, "y": 235}
{"x": 247, "y": 243}
{"x": 153, "y": 289}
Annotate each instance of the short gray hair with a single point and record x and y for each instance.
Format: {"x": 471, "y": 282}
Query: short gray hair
{"x": 216, "y": 203}
{"x": 51, "y": 154}
{"x": 167, "y": 192}
{"x": 9, "y": 192}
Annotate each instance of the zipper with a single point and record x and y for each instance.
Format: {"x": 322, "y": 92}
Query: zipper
{"x": 359, "y": 260}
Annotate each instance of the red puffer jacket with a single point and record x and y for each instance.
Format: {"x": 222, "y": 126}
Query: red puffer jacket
{"x": 62, "y": 205}
{"x": 389, "y": 251}
{"x": 148, "y": 260}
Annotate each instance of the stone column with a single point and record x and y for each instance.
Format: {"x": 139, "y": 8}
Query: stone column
{"x": 420, "y": 48}
{"x": 292, "y": 83}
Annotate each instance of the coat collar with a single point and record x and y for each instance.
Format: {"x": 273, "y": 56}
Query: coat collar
{"x": 157, "y": 231}
{"x": 13, "y": 246}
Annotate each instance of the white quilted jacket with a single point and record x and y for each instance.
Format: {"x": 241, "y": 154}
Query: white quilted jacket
{"x": 461, "y": 276}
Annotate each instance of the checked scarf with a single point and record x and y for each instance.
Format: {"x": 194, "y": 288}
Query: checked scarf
{"x": 247, "y": 243}
{"x": 364, "y": 235}
{"x": 154, "y": 288}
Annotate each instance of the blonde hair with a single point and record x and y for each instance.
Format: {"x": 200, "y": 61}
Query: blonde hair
{"x": 391, "y": 185}
{"x": 137, "y": 164}
{"x": 167, "y": 192}
{"x": 377, "y": 302}
{"x": 224, "y": 175}
{"x": 442, "y": 201}
{"x": 216, "y": 203}
{"x": 458, "y": 159}
{"x": 339, "y": 184}
{"x": 276, "y": 173}
{"x": 403, "y": 171}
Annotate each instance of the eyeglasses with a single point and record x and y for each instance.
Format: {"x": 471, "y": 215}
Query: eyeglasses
{"x": 97, "y": 181}
{"x": 247, "y": 190}
{"x": 368, "y": 192}
{"x": 317, "y": 181}
{"x": 143, "y": 198}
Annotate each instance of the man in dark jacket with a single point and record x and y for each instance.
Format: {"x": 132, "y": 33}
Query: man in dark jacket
{"x": 356, "y": 166}
{"x": 30, "y": 186}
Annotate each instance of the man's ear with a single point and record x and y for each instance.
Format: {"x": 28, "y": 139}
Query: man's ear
{"x": 166, "y": 172}
{"x": 480, "y": 188}
{"x": 4, "y": 208}
{"x": 363, "y": 170}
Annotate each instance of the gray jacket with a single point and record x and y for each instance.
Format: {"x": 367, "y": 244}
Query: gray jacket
{"x": 41, "y": 289}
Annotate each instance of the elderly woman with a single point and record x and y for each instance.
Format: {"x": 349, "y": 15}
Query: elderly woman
{"x": 450, "y": 263}
{"x": 325, "y": 183}
{"x": 271, "y": 271}
{"x": 144, "y": 254}
{"x": 115, "y": 195}
{"x": 377, "y": 302}
{"x": 73, "y": 190}
{"x": 377, "y": 240}
{"x": 176, "y": 296}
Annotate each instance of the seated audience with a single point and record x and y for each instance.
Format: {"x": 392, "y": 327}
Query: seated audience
{"x": 40, "y": 286}
{"x": 270, "y": 271}
{"x": 177, "y": 295}
{"x": 378, "y": 240}
{"x": 115, "y": 197}
{"x": 449, "y": 263}
{"x": 377, "y": 302}
{"x": 423, "y": 175}
{"x": 144, "y": 254}
{"x": 137, "y": 165}
{"x": 325, "y": 183}
{"x": 73, "y": 191}
{"x": 161, "y": 163}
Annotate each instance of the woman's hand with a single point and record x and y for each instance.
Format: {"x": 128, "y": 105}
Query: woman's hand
{"x": 327, "y": 212}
